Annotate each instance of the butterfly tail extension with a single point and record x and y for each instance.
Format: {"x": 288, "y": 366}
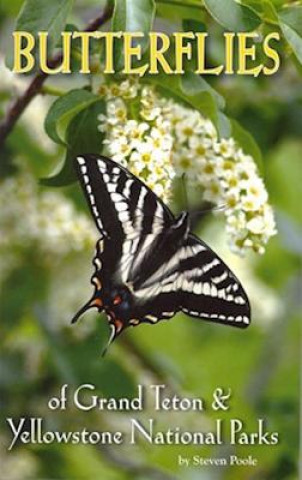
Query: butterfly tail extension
{"x": 112, "y": 337}
{"x": 93, "y": 303}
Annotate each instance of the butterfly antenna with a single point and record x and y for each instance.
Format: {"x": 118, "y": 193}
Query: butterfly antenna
{"x": 212, "y": 209}
{"x": 216, "y": 209}
{"x": 185, "y": 192}
{"x": 111, "y": 338}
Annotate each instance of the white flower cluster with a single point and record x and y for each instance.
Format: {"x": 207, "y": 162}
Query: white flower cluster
{"x": 47, "y": 219}
{"x": 158, "y": 138}
{"x": 138, "y": 135}
{"x": 227, "y": 175}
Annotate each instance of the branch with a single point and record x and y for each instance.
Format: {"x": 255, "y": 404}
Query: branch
{"x": 19, "y": 105}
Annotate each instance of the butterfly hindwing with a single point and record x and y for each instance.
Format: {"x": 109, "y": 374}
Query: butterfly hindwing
{"x": 209, "y": 289}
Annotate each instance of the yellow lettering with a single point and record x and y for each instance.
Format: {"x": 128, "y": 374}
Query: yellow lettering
{"x": 271, "y": 53}
{"x": 23, "y": 51}
{"x": 109, "y": 37}
{"x": 66, "y": 49}
{"x": 133, "y": 51}
{"x": 85, "y": 41}
{"x": 181, "y": 49}
{"x": 229, "y": 52}
{"x": 246, "y": 52}
{"x": 157, "y": 53}
{"x": 201, "y": 48}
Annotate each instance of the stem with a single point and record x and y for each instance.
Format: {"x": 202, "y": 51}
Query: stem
{"x": 269, "y": 21}
{"x": 16, "y": 109}
{"x": 50, "y": 90}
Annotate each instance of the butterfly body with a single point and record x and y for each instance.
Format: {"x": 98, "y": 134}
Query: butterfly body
{"x": 148, "y": 265}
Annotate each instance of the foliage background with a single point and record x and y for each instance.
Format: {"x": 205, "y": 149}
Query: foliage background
{"x": 41, "y": 289}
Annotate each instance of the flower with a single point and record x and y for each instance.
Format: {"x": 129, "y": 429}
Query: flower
{"x": 47, "y": 219}
{"x": 161, "y": 138}
{"x": 142, "y": 143}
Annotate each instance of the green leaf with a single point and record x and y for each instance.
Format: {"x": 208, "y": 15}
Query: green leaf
{"x": 193, "y": 84}
{"x": 291, "y": 26}
{"x": 132, "y": 16}
{"x": 63, "y": 110}
{"x": 247, "y": 143}
{"x": 189, "y": 25}
{"x": 269, "y": 11}
{"x": 233, "y": 16}
{"x": 179, "y": 11}
{"x": 224, "y": 126}
{"x": 82, "y": 136}
{"x": 50, "y": 16}
{"x": 265, "y": 9}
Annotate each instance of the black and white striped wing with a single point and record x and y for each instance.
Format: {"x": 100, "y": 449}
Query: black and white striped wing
{"x": 118, "y": 199}
{"x": 196, "y": 281}
{"x": 127, "y": 213}
{"x": 209, "y": 289}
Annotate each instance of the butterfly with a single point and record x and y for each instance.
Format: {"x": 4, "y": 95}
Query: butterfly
{"x": 148, "y": 265}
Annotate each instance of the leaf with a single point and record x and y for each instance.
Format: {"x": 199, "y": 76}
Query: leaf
{"x": 193, "y": 26}
{"x": 82, "y": 136}
{"x": 175, "y": 11}
{"x": 50, "y": 16}
{"x": 291, "y": 26}
{"x": 194, "y": 84}
{"x": 224, "y": 126}
{"x": 247, "y": 143}
{"x": 132, "y": 16}
{"x": 265, "y": 8}
{"x": 269, "y": 11}
{"x": 64, "y": 109}
{"x": 233, "y": 16}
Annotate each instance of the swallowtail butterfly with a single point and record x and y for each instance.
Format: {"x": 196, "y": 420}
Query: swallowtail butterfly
{"x": 148, "y": 265}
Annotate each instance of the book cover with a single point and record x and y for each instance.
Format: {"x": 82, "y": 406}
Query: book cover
{"x": 150, "y": 239}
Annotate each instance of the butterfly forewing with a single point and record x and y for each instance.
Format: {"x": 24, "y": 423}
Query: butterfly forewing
{"x": 125, "y": 210}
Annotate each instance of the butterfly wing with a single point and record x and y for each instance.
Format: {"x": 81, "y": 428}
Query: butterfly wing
{"x": 118, "y": 199}
{"x": 131, "y": 221}
{"x": 126, "y": 212}
{"x": 208, "y": 288}
{"x": 195, "y": 280}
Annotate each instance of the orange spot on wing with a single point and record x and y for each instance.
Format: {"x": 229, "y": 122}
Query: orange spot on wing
{"x": 117, "y": 300}
{"x": 118, "y": 325}
{"x": 97, "y": 302}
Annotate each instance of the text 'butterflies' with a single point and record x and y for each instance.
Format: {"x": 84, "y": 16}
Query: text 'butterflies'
{"x": 148, "y": 265}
